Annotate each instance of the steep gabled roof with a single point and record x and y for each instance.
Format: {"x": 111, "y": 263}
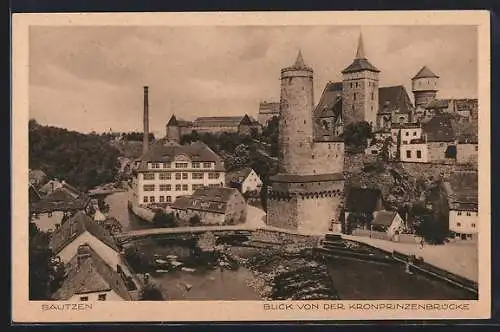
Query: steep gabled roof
{"x": 362, "y": 200}
{"x": 360, "y": 62}
{"x": 425, "y": 72}
{"x": 76, "y": 225}
{"x": 60, "y": 199}
{"x": 394, "y": 98}
{"x": 384, "y": 218}
{"x": 235, "y": 176}
{"x": 196, "y": 151}
{"x": 92, "y": 274}
{"x": 330, "y": 103}
{"x": 172, "y": 121}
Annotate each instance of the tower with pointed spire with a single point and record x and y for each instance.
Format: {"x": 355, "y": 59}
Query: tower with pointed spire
{"x": 424, "y": 86}
{"x": 295, "y": 126}
{"x": 307, "y": 193}
{"x": 360, "y": 83}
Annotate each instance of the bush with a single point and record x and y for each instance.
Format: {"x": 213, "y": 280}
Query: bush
{"x": 195, "y": 220}
{"x": 151, "y": 292}
{"x": 163, "y": 219}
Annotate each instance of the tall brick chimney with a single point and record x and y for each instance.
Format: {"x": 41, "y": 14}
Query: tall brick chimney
{"x": 145, "y": 140}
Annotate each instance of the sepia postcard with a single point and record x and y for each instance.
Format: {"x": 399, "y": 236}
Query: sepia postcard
{"x": 263, "y": 166}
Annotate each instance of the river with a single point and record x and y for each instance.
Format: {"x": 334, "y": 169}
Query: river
{"x": 206, "y": 285}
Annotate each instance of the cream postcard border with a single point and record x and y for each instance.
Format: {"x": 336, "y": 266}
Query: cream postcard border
{"x": 24, "y": 310}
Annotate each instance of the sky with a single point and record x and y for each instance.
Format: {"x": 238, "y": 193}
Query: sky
{"x": 91, "y": 78}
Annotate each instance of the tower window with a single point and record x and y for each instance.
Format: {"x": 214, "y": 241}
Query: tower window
{"x": 356, "y": 84}
{"x": 355, "y": 96}
{"x": 304, "y": 121}
{"x": 373, "y": 96}
{"x": 351, "y": 85}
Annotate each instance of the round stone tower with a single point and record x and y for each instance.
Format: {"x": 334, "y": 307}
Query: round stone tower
{"x": 424, "y": 86}
{"x": 295, "y": 125}
{"x": 173, "y": 130}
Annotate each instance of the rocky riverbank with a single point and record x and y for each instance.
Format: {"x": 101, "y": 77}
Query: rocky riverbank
{"x": 282, "y": 275}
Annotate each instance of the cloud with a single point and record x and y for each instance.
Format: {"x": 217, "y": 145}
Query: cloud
{"x": 91, "y": 78}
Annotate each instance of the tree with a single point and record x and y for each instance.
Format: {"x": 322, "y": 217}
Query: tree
{"x": 356, "y": 135}
{"x": 398, "y": 146}
{"x": 46, "y": 272}
{"x": 163, "y": 219}
{"x": 428, "y": 225}
{"x": 385, "y": 153}
{"x": 195, "y": 220}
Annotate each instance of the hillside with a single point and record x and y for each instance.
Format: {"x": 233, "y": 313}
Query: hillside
{"x": 82, "y": 160}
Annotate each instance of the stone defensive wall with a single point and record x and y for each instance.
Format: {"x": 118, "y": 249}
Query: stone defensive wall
{"x": 434, "y": 170}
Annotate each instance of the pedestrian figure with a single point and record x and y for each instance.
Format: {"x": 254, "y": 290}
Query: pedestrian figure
{"x": 221, "y": 267}
{"x": 422, "y": 244}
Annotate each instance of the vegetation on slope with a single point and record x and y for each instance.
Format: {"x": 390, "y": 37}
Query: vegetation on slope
{"x": 84, "y": 161}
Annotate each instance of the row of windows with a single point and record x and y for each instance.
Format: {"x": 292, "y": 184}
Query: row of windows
{"x": 100, "y": 297}
{"x": 162, "y": 199}
{"x": 408, "y": 154}
{"x": 460, "y": 225}
{"x": 358, "y": 84}
{"x": 194, "y": 164}
{"x": 178, "y": 187}
{"x": 180, "y": 176}
{"x": 468, "y": 213}
{"x": 406, "y": 133}
{"x": 373, "y": 96}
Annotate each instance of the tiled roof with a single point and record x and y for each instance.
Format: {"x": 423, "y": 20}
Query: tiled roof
{"x": 384, "y": 218}
{"x": 291, "y": 178}
{"x": 206, "y": 199}
{"x": 174, "y": 121}
{"x": 439, "y": 128}
{"x": 59, "y": 200}
{"x": 91, "y": 275}
{"x": 76, "y": 225}
{"x": 238, "y": 176}
{"x": 330, "y": 103}
{"x": 360, "y": 65}
{"x": 222, "y": 121}
{"x": 392, "y": 98}
{"x": 425, "y": 72}
{"x": 362, "y": 200}
{"x": 438, "y": 103}
{"x": 196, "y": 151}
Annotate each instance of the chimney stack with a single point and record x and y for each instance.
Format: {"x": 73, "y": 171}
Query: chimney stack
{"x": 145, "y": 140}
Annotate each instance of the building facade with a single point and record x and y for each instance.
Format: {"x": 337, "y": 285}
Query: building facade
{"x": 245, "y": 180}
{"x": 214, "y": 206}
{"x": 171, "y": 170}
{"x": 360, "y": 85}
{"x": 307, "y": 193}
{"x": 424, "y": 86}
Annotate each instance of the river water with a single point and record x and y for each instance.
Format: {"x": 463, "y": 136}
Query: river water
{"x": 207, "y": 285}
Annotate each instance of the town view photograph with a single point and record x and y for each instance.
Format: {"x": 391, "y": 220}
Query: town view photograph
{"x": 222, "y": 163}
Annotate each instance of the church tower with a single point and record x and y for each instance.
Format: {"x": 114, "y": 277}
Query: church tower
{"x": 424, "y": 86}
{"x": 360, "y": 81}
{"x": 295, "y": 125}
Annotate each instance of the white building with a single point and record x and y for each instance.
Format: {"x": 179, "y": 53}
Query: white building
{"x": 409, "y": 132}
{"x": 170, "y": 170}
{"x": 245, "y": 180}
{"x": 415, "y": 153}
{"x": 463, "y": 220}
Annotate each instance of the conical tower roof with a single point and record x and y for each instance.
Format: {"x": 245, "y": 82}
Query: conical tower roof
{"x": 172, "y": 121}
{"x": 299, "y": 64}
{"x": 425, "y": 72}
{"x": 360, "y": 62}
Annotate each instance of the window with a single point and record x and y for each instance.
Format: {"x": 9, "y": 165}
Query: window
{"x": 419, "y": 154}
{"x": 373, "y": 96}
{"x": 196, "y": 165}
{"x": 165, "y": 187}
{"x": 84, "y": 298}
{"x": 155, "y": 165}
{"x": 162, "y": 199}
{"x": 213, "y": 176}
{"x": 149, "y": 187}
{"x": 165, "y": 176}
{"x": 177, "y": 187}
{"x": 459, "y": 224}
{"x": 473, "y": 225}
{"x": 185, "y": 187}
{"x": 178, "y": 176}
{"x": 181, "y": 165}
{"x": 152, "y": 199}
{"x": 351, "y": 84}
{"x": 459, "y": 213}
{"x": 101, "y": 297}
{"x": 149, "y": 176}
{"x": 184, "y": 176}
{"x": 166, "y": 165}
{"x": 475, "y": 148}
{"x": 356, "y": 84}
{"x": 197, "y": 176}
{"x": 354, "y": 95}
{"x": 197, "y": 186}
{"x": 408, "y": 154}
{"x": 407, "y": 134}
{"x": 468, "y": 214}
{"x": 145, "y": 199}
{"x": 414, "y": 133}
{"x": 207, "y": 165}
{"x": 169, "y": 199}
